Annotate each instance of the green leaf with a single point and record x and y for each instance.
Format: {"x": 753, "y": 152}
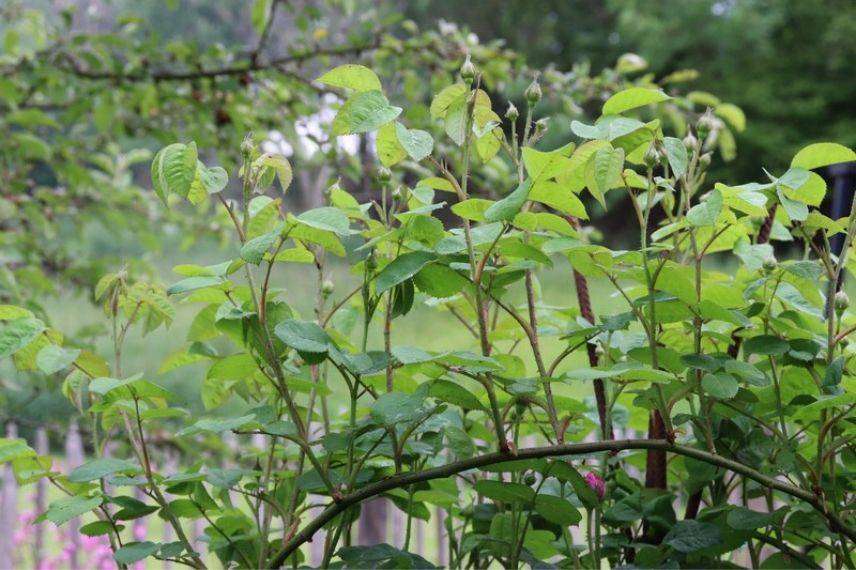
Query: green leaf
{"x": 363, "y": 112}
{"x": 351, "y": 76}
{"x": 217, "y": 425}
{"x": 445, "y": 98}
{"x": 767, "y": 345}
{"x": 559, "y": 197}
{"x": 53, "y": 358}
{"x": 381, "y": 556}
{"x": 207, "y": 181}
{"x": 691, "y": 535}
{"x": 401, "y": 268}
{"x": 11, "y": 449}
{"x": 544, "y": 165}
{"x": 439, "y": 281}
{"x": 557, "y": 510}
{"x": 456, "y": 121}
{"x": 505, "y": 209}
{"x": 676, "y": 153}
{"x": 388, "y": 147}
{"x": 720, "y": 385}
{"x": 505, "y": 492}
{"x": 96, "y": 528}
{"x": 565, "y": 472}
{"x": 631, "y": 99}
{"x": 278, "y": 164}
{"x": 98, "y": 468}
{"x": 192, "y": 284}
{"x": 741, "y": 518}
{"x": 603, "y": 172}
{"x": 11, "y": 313}
{"x": 254, "y": 250}
{"x": 17, "y": 334}
{"x": 174, "y": 170}
{"x": 822, "y": 154}
{"x": 418, "y": 144}
{"x": 454, "y": 394}
{"x": 135, "y": 551}
{"x": 396, "y": 407}
{"x": 707, "y": 211}
{"x": 304, "y": 336}
{"x": 61, "y": 511}
{"x": 326, "y": 218}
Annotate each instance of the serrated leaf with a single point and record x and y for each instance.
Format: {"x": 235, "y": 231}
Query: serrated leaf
{"x": 401, "y": 268}
{"x": 53, "y": 358}
{"x": 504, "y": 210}
{"x": 504, "y": 492}
{"x": 557, "y": 510}
{"x": 363, "y": 112}
{"x": 15, "y": 335}
{"x": 603, "y": 172}
{"x": 445, "y": 98}
{"x": 766, "y": 345}
{"x": 691, "y": 535}
{"x": 303, "y": 336}
{"x": 351, "y": 76}
{"x": 388, "y": 147}
{"x": 676, "y": 153}
{"x": 707, "y": 211}
{"x": 135, "y": 551}
{"x": 328, "y": 219}
{"x": 720, "y": 385}
{"x": 61, "y": 511}
{"x": 822, "y": 154}
{"x": 174, "y": 170}
{"x": 631, "y": 99}
{"x": 418, "y": 144}
{"x": 254, "y": 250}
{"x": 98, "y": 468}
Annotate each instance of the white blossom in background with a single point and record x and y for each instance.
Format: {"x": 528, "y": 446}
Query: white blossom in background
{"x": 312, "y": 134}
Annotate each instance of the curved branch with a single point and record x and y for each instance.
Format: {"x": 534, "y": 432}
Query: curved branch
{"x": 402, "y": 480}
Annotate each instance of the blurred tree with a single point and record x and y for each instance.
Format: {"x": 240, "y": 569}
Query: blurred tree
{"x": 788, "y": 63}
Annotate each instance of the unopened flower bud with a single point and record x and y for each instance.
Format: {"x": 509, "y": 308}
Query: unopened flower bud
{"x": 384, "y": 174}
{"x": 652, "y": 157}
{"x": 533, "y": 92}
{"x": 541, "y": 126}
{"x": 247, "y": 145}
{"x": 706, "y": 123}
{"x": 327, "y": 287}
{"x": 842, "y": 301}
{"x": 468, "y": 70}
{"x": 769, "y": 264}
{"x": 596, "y": 483}
{"x": 690, "y": 141}
{"x": 704, "y": 160}
{"x": 512, "y": 113}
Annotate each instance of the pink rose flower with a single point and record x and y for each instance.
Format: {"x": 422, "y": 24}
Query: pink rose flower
{"x": 596, "y": 483}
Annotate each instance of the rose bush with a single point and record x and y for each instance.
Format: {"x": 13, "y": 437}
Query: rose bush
{"x": 740, "y": 376}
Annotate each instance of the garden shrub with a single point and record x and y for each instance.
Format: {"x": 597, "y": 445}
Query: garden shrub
{"x": 738, "y": 369}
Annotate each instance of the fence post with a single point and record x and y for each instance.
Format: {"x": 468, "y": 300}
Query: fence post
{"x": 42, "y": 448}
{"x": 73, "y": 458}
{"x": 8, "y": 509}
